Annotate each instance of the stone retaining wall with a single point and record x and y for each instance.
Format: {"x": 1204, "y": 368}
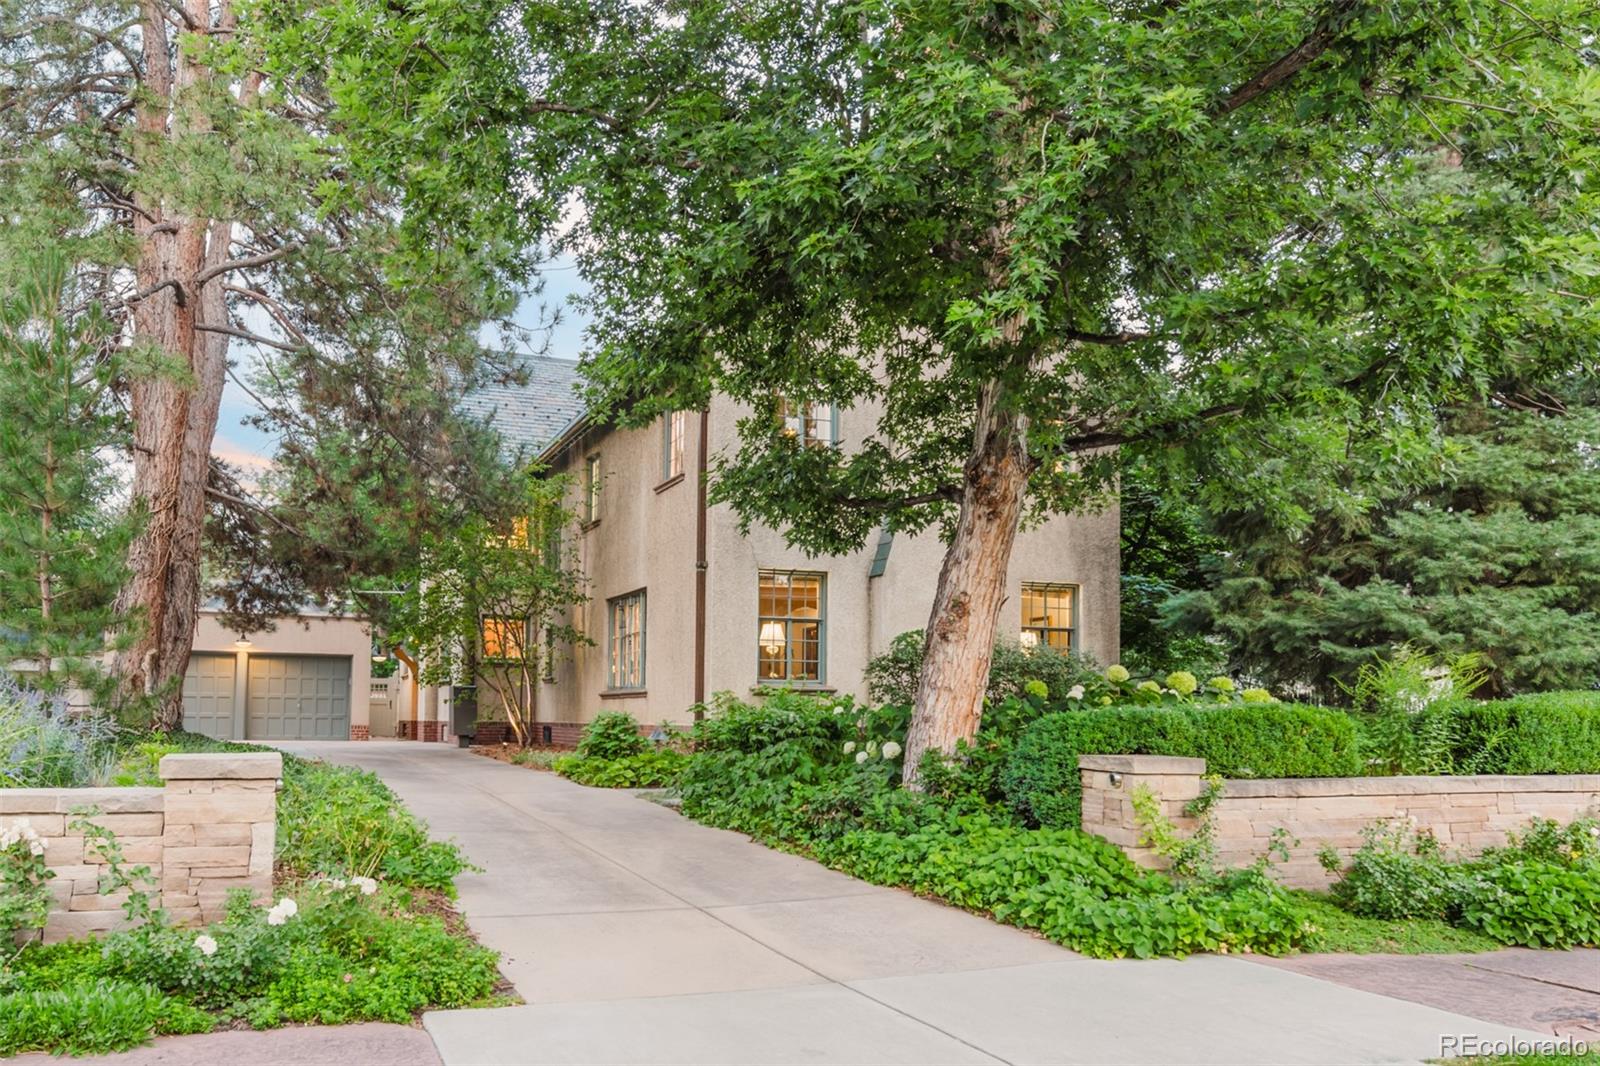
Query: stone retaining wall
{"x": 210, "y": 829}
{"x": 1466, "y": 814}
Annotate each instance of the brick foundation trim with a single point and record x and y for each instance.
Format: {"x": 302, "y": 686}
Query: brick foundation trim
{"x": 360, "y": 732}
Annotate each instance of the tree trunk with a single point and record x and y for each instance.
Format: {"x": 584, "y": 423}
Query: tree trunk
{"x": 959, "y": 641}
{"x": 175, "y": 409}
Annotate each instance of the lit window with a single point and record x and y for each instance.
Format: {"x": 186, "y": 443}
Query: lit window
{"x": 591, "y": 488}
{"x": 502, "y": 638}
{"x": 810, "y": 423}
{"x": 626, "y": 614}
{"x": 792, "y": 615}
{"x": 514, "y": 537}
{"x": 673, "y": 427}
{"x": 1049, "y": 615}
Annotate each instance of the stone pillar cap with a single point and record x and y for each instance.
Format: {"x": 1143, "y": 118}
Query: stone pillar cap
{"x": 1142, "y": 764}
{"x": 189, "y": 766}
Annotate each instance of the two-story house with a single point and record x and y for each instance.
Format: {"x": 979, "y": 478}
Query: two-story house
{"x": 683, "y": 605}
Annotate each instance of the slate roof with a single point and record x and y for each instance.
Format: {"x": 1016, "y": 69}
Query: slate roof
{"x": 530, "y": 416}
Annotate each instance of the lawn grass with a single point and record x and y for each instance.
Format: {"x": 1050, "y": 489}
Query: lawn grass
{"x": 1346, "y": 933}
{"x": 1590, "y": 1057}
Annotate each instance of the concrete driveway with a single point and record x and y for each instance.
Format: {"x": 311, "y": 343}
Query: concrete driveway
{"x": 638, "y": 936}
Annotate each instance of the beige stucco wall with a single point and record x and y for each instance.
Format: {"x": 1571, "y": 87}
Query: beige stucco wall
{"x": 645, "y": 538}
{"x": 342, "y": 636}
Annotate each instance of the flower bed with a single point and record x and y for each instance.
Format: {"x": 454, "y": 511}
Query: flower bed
{"x": 359, "y": 928}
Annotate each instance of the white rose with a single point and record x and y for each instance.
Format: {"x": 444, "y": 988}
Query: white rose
{"x": 205, "y": 945}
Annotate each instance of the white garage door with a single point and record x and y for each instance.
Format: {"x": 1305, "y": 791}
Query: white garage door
{"x": 298, "y": 697}
{"x": 208, "y": 695}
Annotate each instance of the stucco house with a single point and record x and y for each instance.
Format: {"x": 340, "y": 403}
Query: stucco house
{"x": 683, "y": 605}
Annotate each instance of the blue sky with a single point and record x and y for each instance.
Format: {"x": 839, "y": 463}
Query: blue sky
{"x": 250, "y": 447}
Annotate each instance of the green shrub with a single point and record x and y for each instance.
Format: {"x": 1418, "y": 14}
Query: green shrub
{"x": 1544, "y": 733}
{"x": 1041, "y": 779}
{"x": 612, "y": 735}
{"x": 892, "y": 677}
{"x": 46, "y": 745}
{"x": 84, "y": 1019}
{"x": 341, "y": 956}
{"x": 1396, "y": 873}
{"x": 1541, "y": 890}
{"x": 819, "y": 724}
{"x": 538, "y": 758}
{"x": 1072, "y": 887}
{"x": 344, "y": 821}
{"x": 647, "y": 769}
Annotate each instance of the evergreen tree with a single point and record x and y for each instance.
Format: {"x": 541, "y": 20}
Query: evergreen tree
{"x": 1167, "y": 549}
{"x": 205, "y": 200}
{"x": 62, "y": 533}
{"x": 1498, "y": 553}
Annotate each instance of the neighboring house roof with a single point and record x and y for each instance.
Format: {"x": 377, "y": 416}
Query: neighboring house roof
{"x": 531, "y": 415}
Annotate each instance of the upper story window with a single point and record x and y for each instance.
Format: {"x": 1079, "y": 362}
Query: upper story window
{"x": 674, "y": 427}
{"x": 625, "y": 615}
{"x": 1049, "y": 615}
{"x": 793, "y": 610}
{"x": 591, "y": 489}
{"x": 811, "y": 423}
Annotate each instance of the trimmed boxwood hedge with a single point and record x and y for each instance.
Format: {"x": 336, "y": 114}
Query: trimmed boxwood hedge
{"x": 1542, "y": 733}
{"x": 1041, "y": 777}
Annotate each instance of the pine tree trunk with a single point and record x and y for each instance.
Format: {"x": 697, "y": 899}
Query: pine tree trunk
{"x": 174, "y": 410}
{"x": 959, "y": 641}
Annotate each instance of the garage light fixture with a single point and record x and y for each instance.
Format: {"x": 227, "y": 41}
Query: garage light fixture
{"x": 242, "y": 642}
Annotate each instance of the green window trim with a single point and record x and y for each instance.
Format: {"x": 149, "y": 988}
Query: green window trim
{"x": 792, "y": 628}
{"x": 625, "y": 641}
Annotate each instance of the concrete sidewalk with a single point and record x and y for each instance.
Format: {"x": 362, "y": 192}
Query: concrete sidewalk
{"x": 638, "y": 936}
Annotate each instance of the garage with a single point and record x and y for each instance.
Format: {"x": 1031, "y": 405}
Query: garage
{"x": 285, "y": 697}
{"x": 297, "y": 697}
{"x": 208, "y": 690}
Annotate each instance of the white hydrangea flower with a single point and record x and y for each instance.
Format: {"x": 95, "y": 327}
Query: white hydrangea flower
{"x": 289, "y": 907}
{"x": 366, "y": 884}
{"x": 1075, "y": 692}
{"x": 849, "y": 747}
{"x": 862, "y": 756}
{"x": 891, "y": 750}
{"x": 872, "y": 747}
{"x": 205, "y": 945}
{"x": 276, "y": 917}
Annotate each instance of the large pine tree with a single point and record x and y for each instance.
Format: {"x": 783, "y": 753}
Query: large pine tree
{"x": 1498, "y": 552}
{"x": 209, "y": 209}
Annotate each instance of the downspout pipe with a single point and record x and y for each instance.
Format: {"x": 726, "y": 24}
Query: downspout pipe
{"x": 701, "y": 564}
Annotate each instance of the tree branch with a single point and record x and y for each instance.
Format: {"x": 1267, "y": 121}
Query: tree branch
{"x": 246, "y": 263}
{"x": 253, "y": 338}
{"x": 1121, "y": 337}
{"x": 1293, "y": 61}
